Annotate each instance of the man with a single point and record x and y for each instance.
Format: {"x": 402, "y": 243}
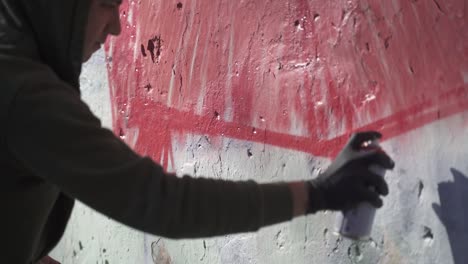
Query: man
{"x": 53, "y": 150}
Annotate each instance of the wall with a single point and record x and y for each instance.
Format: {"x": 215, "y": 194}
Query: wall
{"x": 270, "y": 90}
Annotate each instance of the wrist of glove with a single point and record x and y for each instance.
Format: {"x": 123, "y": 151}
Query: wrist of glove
{"x": 350, "y": 180}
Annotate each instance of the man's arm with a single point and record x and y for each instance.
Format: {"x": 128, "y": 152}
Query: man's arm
{"x": 56, "y": 137}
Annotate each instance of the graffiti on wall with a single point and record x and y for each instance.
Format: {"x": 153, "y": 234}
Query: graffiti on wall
{"x": 299, "y": 74}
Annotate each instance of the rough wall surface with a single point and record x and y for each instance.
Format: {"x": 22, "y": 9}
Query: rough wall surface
{"x": 270, "y": 90}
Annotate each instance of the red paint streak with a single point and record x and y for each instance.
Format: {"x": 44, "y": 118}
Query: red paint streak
{"x": 314, "y": 71}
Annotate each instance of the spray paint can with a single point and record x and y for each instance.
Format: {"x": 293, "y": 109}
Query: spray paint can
{"x": 357, "y": 223}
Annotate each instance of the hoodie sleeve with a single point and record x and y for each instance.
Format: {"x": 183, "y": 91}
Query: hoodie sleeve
{"x": 52, "y": 132}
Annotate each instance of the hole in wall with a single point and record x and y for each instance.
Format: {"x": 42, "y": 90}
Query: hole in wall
{"x": 249, "y": 153}
{"x": 148, "y": 87}
{"x": 387, "y": 42}
{"x": 216, "y": 115}
{"x": 354, "y": 253}
{"x": 316, "y": 16}
{"x": 121, "y": 133}
{"x": 420, "y": 188}
{"x": 427, "y": 236}
{"x": 143, "y": 52}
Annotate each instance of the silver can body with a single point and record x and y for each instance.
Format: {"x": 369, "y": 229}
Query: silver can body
{"x": 357, "y": 223}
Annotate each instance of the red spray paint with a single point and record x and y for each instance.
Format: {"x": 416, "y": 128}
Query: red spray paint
{"x": 299, "y": 74}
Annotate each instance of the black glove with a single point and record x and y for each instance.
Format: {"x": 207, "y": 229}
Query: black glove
{"x": 348, "y": 180}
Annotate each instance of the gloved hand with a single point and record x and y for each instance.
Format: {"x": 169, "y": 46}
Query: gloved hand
{"x": 348, "y": 181}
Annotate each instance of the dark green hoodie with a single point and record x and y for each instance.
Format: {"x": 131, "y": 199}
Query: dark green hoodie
{"x": 53, "y": 150}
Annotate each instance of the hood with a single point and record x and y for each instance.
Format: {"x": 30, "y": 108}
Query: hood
{"x": 48, "y": 31}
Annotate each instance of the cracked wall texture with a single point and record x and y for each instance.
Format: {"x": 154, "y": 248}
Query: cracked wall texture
{"x": 270, "y": 90}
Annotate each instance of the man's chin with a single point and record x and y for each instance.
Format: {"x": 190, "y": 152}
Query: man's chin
{"x": 86, "y": 57}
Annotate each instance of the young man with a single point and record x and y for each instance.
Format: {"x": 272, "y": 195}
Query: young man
{"x": 53, "y": 150}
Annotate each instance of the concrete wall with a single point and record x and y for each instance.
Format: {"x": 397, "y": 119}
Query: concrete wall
{"x": 270, "y": 90}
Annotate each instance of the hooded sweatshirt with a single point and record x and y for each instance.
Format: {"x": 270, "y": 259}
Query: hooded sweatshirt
{"x": 53, "y": 150}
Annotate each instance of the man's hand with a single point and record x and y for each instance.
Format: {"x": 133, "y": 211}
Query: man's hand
{"x": 348, "y": 181}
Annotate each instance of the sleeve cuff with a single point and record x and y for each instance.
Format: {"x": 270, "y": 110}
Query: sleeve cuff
{"x": 276, "y": 203}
